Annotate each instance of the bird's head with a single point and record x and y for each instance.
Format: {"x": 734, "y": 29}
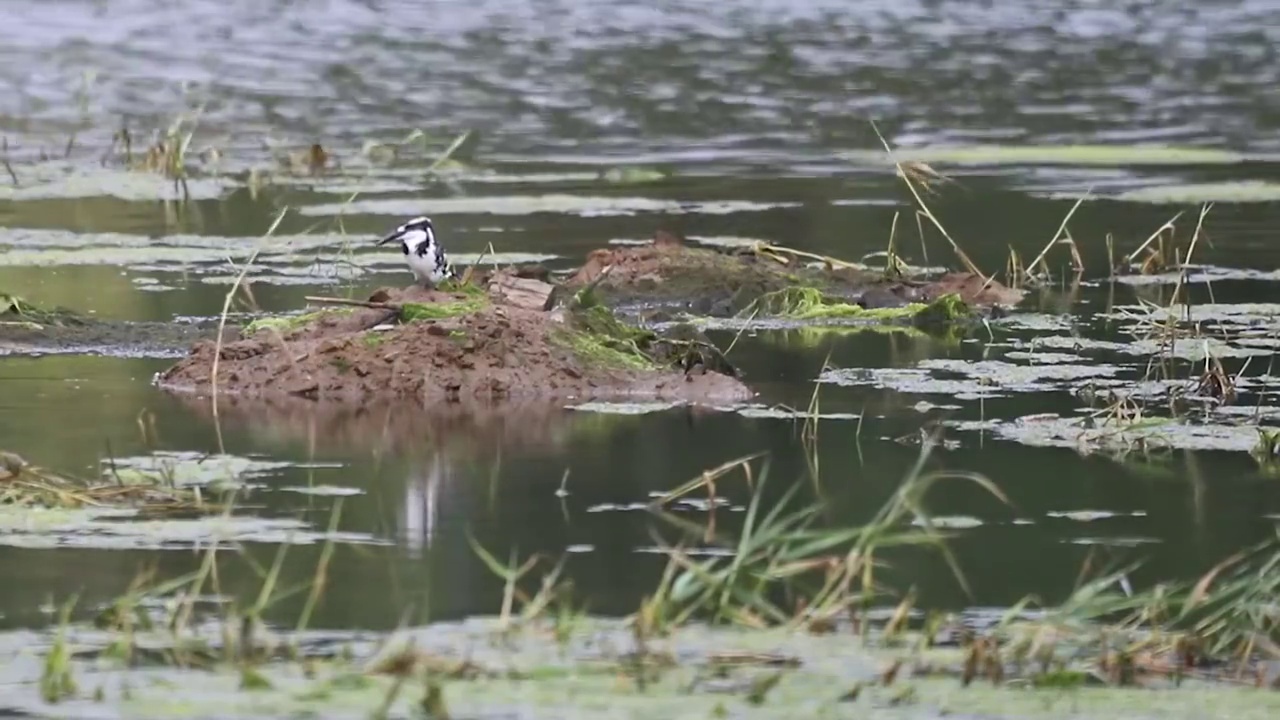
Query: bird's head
{"x": 411, "y": 234}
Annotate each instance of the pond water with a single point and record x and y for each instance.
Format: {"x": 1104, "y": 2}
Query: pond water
{"x": 757, "y": 115}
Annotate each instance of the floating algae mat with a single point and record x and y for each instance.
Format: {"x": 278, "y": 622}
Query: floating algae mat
{"x": 1113, "y": 155}
{"x": 122, "y": 529}
{"x": 63, "y": 180}
{"x": 969, "y": 380}
{"x": 192, "y": 469}
{"x": 581, "y": 205}
{"x": 285, "y": 255}
{"x": 1244, "y": 191}
{"x": 478, "y": 669}
{"x": 1156, "y": 433}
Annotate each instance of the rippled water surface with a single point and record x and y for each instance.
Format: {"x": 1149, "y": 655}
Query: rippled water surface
{"x": 750, "y": 121}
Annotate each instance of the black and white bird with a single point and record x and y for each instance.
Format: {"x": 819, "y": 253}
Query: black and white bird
{"x": 425, "y": 255}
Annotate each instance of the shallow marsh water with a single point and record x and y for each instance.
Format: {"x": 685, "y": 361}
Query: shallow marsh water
{"x": 756, "y": 117}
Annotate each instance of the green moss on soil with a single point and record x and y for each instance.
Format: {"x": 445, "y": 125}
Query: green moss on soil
{"x": 596, "y": 336}
{"x": 946, "y": 310}
{"x": 283, "y": 323}
{"x": 412, "y": 312}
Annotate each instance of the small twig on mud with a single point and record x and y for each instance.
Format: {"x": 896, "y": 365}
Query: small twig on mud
{"x": 764, "y": 247}
{"x": 356, "y": 303}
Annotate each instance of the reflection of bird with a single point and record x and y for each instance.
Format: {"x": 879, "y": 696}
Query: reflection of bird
{"x": 421, "y": 507}
{"x": 424, "y": 254}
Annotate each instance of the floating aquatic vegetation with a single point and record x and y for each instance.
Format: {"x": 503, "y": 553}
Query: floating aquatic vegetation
{"x": 983, "y": 378}
{"x": 1052, "y": 430}
{"x": 123, "y": 529}
{"x": 1092, "y": 515}
{"x": 1248, "y": 314}
{"x": 1036, "y": 322}
{"x": 322, "y": 490}
{"x": 625, "y": 408}
{"x": 64, "y": 180}
{"x": 1106, "y": 155}
{"x": 1241, "y": 191}
{"x": 1182, "y": 348}
{"x": 581, "y": 205}
{"x": 783, "y": 413}
{"x": 953, "y": 522}
{"x": 186, "y": 469}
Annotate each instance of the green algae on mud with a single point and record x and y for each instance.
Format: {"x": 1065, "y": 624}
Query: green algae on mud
{"x": 285, "y": 323}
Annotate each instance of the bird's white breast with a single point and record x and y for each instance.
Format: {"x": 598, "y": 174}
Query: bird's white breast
{"x": 426, "y": 266}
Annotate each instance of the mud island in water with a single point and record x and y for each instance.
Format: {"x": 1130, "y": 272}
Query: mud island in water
{"x": 496, "y": 339}
{"x": 513, "y": 335}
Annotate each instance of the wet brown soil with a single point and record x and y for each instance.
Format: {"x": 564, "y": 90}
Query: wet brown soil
{"x": 483, "y": 347}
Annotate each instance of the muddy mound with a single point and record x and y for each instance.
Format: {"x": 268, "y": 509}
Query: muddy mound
{"x": 723, "y": 282}
{"x": 433, "y": 346}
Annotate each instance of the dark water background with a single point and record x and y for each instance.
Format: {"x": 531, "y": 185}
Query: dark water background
{"x": 742, "y": 101}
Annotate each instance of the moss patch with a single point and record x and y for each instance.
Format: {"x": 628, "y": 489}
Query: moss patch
{"x": 285, "y": 323}
{"x": 945, "y": 310}
{"x": 596, "y": 336}
{"x": 412, "y": 312}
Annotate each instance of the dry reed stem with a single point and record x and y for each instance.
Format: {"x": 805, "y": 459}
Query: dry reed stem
{"x": 955, "y": 246}
{"x": 222, "y": 320}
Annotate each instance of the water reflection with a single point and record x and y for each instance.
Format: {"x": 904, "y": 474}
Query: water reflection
{"x": 421, "y": 508}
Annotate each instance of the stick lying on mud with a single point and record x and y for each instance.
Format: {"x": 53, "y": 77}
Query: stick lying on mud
{"x": 356, "y": 303}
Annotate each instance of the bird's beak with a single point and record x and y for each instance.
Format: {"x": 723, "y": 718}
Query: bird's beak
{"x": 388, "y": 238}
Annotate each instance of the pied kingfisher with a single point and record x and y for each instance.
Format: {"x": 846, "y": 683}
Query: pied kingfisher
{"x": 424, "y": 254}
